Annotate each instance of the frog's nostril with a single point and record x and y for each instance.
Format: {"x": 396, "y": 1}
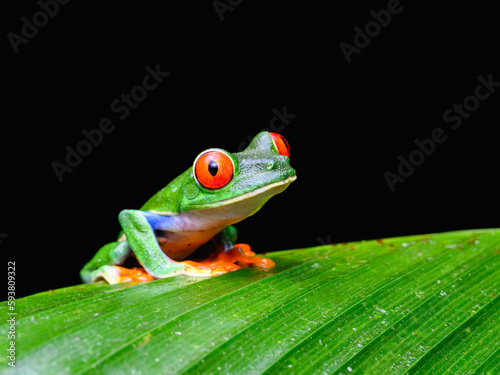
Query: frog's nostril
{"x": 270, "y": 166}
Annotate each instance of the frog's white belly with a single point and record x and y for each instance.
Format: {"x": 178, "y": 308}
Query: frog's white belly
{"x": 190, "y": 230}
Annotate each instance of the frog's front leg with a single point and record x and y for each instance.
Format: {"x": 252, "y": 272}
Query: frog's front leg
{"x": 105, "y": 264}
{"x": 139, "y": 227}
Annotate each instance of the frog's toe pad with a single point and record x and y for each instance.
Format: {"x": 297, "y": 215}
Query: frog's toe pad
{"x": 117, "y": 275}
{"x": 239, "y": 256}
{"x": 249, "y": 257}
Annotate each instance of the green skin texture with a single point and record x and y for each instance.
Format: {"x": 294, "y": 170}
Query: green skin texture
{"x": 185, "y": 215}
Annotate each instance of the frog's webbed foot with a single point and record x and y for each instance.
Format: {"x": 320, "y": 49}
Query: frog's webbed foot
{"x": 249, "y": 257}
{"x": 240, "y": 256}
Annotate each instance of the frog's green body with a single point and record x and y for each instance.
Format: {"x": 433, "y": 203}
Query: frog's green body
{"x": 186, "y": 214}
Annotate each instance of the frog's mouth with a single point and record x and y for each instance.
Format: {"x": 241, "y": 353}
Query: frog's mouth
{"x": 255, "y": 198}
{"x": 279, "y": 185}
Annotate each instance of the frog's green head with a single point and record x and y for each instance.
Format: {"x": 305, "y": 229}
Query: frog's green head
{"x": 239, "y": 184}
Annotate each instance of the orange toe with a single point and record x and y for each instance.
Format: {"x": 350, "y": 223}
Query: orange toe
{"x": 239, "y": 256}
{"x": 250, "y": 258}
{"x": 245, "y": 248}
{"x": 136, "y": 274}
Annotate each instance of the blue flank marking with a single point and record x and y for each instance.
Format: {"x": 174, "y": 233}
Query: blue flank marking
{"x": 157, "y": 221}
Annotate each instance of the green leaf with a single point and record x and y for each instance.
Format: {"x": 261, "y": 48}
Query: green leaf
{"x": 417, "y": 304}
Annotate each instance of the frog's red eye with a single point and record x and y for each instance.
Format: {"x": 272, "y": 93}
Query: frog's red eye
{"x": 213, "y": 169}
{"x": 281, "y": 144}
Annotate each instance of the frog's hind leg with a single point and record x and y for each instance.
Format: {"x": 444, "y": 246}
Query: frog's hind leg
{"x": 230, "y": 256}
{"x": 106, "y": 265}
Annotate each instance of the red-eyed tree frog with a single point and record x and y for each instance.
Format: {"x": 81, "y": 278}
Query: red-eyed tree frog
{"x": 198, "y": 207}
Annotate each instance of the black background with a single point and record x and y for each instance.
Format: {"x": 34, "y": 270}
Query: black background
{"x": 226, "y": 76}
